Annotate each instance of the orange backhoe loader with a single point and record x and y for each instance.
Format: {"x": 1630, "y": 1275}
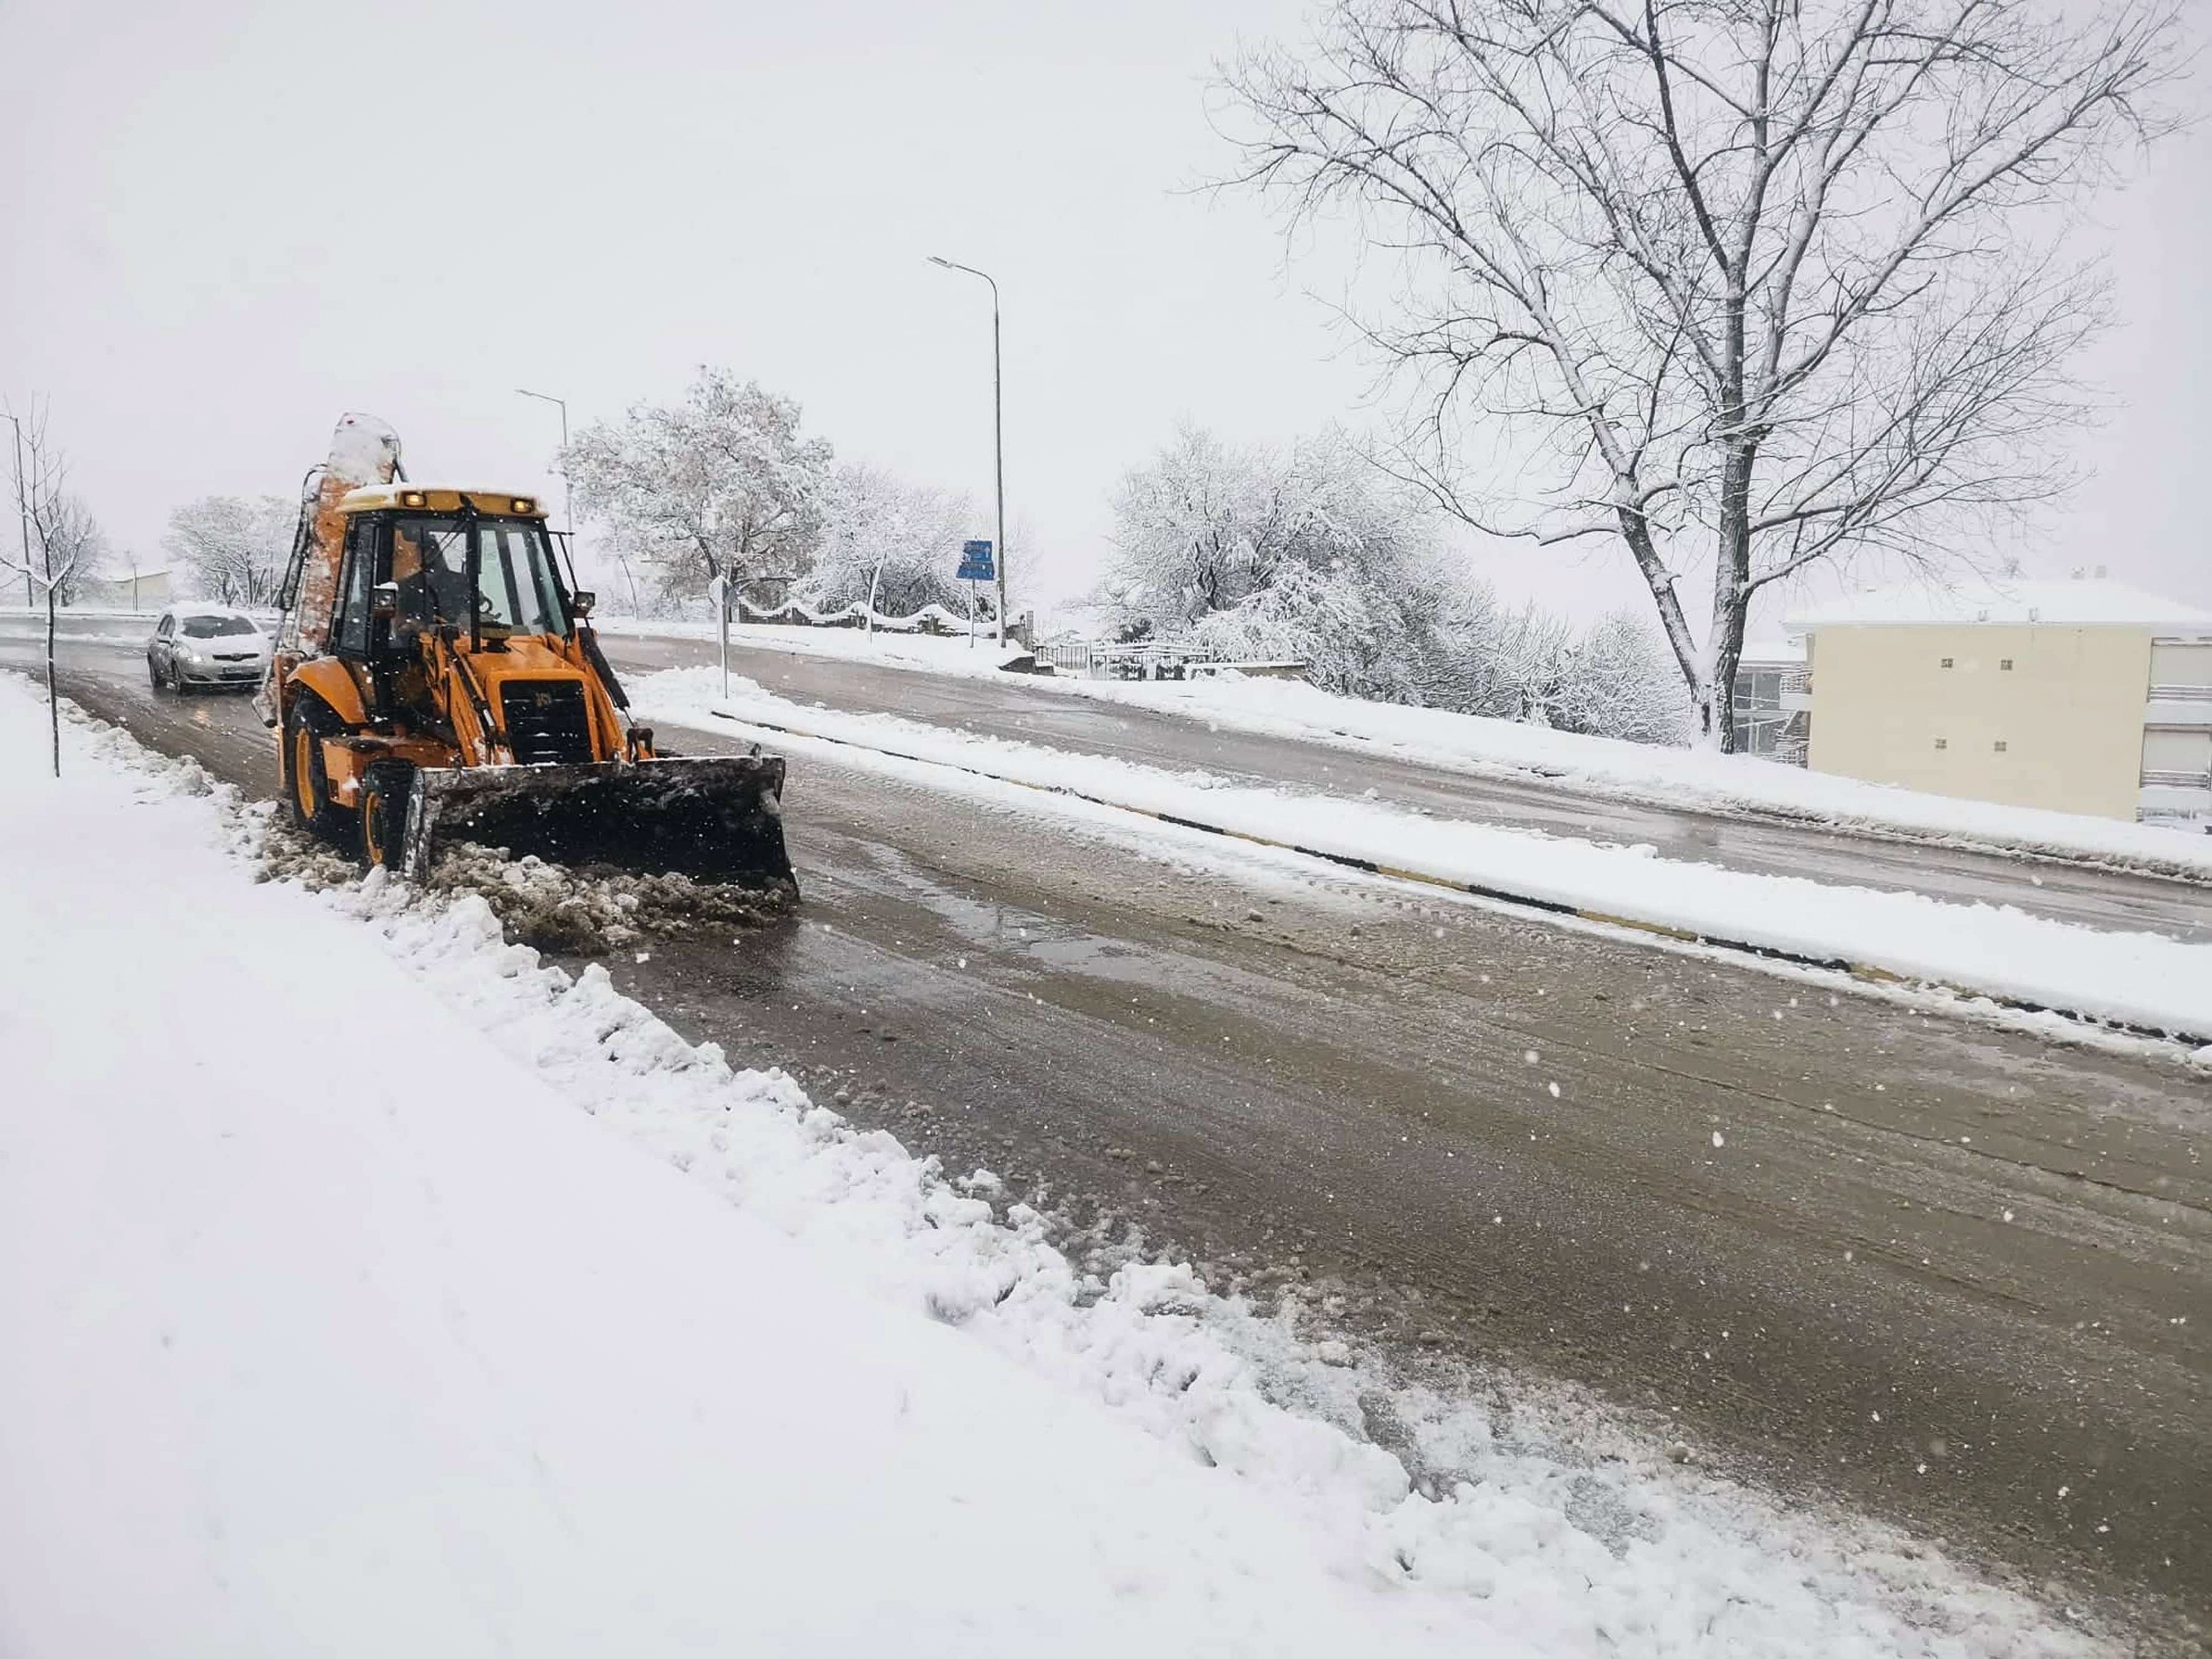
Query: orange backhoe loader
{"x": 435, "y": 679}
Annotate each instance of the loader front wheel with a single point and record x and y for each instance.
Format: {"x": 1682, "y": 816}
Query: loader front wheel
{"x": 307, "y": 781}
{"x": 384, "y": 790}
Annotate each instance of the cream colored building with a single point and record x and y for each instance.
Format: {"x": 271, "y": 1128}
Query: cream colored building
{"x": 2082, "y": 696}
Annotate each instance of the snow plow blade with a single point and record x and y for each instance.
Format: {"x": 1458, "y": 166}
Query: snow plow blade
{"x": 714, "y": 818}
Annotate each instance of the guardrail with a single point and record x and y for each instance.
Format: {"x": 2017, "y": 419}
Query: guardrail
{"x": 1091, "y": 659}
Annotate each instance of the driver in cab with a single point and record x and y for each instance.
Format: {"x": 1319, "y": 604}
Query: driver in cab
{"x": 431, "y": 569}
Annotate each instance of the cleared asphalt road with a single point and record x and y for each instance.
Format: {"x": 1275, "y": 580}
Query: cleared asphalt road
{"x": 1028, "y": 711}
{"x": 1940, "y": 1269}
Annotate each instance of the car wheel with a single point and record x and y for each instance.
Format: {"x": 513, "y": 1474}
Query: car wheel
{"x": 153, "y": 674}
{"x": 385, "y": 789}
{"x": 307, "y": 780}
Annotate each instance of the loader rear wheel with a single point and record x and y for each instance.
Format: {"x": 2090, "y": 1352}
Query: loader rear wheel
{"x": 307, "y": 781}
{"x": 384, "y": 790}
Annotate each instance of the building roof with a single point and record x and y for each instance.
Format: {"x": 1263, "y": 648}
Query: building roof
{"x": 2084, "y": 602}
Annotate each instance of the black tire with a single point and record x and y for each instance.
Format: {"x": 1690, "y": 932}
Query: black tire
{"x": 307, "y": 781}
{"x": 153, "y": 674}
{"x": 176, "y": 680}
{"x": 385, "y": 789}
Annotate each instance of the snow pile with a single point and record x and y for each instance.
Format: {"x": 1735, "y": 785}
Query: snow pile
{"x": 550, "y": 907}
{"x": 592, "y": 911}
{"x": 316, "y": 1347}
{"x": 2138, "y": 980}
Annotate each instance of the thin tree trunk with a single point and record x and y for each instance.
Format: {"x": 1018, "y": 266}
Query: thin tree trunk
{"x": 53, "y": 698}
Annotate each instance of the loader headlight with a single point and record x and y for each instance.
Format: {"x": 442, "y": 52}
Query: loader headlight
{"x": 414, "y": 498}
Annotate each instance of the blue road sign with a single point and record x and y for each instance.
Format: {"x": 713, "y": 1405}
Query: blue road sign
{"x": 976, "y": 562}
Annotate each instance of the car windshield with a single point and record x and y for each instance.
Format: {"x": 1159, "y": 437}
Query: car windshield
{"x": 515, "y": 592}
{"x": 215, "y": 627}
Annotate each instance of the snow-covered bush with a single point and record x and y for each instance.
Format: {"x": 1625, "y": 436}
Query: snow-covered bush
{"x": 1618, "y": 681}
{"x": 1314, "y": 554}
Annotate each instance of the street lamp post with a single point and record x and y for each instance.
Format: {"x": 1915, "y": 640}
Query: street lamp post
{"x": 998, "y": 429}
{"x": 567, "y": 484}
{"x": 567, "y": 489}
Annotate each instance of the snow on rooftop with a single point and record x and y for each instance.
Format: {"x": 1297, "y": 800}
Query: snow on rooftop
{"x": 2081, "y": 602}
{"x": 1761, "y": 652}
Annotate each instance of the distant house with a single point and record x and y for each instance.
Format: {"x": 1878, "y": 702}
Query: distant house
{"x": 141, "y": 590}
{"x": 2084, "y": 696}
{"x": 1772, "y": 702}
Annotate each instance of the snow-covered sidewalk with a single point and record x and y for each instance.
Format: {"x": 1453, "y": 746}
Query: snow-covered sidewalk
{"x": 331, "y": 1329}
{"x": 2140, "y": 980}
{"x": 335, "y": 1326}
{"x": 1686, "y": 779}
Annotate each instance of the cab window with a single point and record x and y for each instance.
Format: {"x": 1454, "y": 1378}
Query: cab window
{"x": 352, "y": 634}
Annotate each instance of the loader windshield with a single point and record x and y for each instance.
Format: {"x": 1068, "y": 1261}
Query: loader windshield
{"x": 515, "y": 591}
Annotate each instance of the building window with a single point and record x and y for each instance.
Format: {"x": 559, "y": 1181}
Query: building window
{"x": 1947, "y": 662}
{"x": 2000, "y": 745}
{"x": 2005, "y": 662}
{"x": 1943, "y": 742}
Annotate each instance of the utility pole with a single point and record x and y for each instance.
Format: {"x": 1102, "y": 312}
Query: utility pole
{"x": 998, "y": 429}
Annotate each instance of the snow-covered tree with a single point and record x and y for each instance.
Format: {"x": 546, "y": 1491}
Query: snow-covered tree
{"x": 718, "y": 484}
{"x": 898, "y": 541}
{"x": 1308, "y": 553}
{"x": 59, "y": 542}
{"x": 235, "y": 546}
{"x": 1739, "y": 286}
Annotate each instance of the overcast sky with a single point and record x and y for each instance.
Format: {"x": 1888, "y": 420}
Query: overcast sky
{"x": 227, "y": 222}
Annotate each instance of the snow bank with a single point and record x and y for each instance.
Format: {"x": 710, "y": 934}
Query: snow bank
{"x": 388, "y": 1348}
{"x": 1735, "y": 784}
{"x": 939, "y": 653}
{"x": 2138, "y": 980}
{"x": 1665, "y": 776}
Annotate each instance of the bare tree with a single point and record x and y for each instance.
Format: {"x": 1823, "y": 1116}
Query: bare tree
{"x": 721, "y": 484}
{"x": 1745, "y": 283}
{"x": 235, "y": 546}
{"x": 61, "y": 542}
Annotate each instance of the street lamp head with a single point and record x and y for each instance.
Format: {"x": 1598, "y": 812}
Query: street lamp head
{"x": 948, "y": 265}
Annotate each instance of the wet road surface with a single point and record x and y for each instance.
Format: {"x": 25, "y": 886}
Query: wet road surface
{"x": 1029, "y": 711}
{"x": 1938, "y": 1270}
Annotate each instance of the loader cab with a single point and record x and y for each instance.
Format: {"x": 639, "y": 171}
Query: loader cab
{"x": 489, "y": 578}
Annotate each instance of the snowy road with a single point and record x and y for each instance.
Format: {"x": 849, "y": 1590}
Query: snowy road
{"x": 1023, "y": 711}
{"x": 1942, "y": 1270}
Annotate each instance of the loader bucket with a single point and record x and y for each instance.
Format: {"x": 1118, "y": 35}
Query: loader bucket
{"x": 714, "y": 818}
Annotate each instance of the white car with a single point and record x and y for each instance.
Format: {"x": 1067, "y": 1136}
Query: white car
{"x": 206, "y": 645}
